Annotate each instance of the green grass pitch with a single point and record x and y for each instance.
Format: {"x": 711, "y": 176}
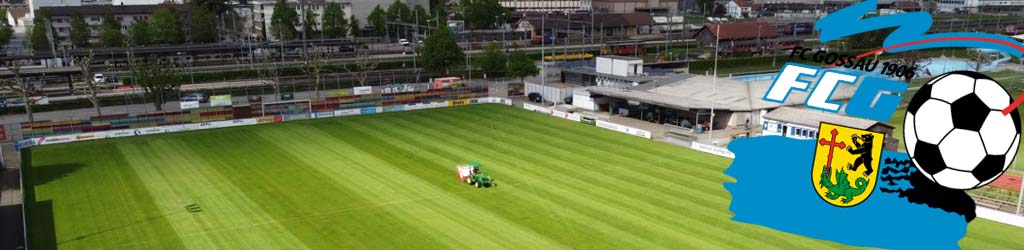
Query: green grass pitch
{"x": 388, "y": 181}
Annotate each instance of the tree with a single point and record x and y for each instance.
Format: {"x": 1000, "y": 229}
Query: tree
{"x": 440, "y": 53}
{"x": 911, "y": 58}
{"x": 422, "y": 14}
{"x": 110, "y": 32}
{"x": 203, "y": 26}
{"x": 21, "y": 87}
{"x": 520, "y": 65}
{"x": 399, "y": 12}
{"x": 38, "y": 39}
{"x": 283, "y": 21}
{"x": 335, "y": 25}
{"x": 309, "y": 24}
{"x": 360, "y": 69}
{"x": 978, "y": 59}
{"x": 6, "y": 32}
{"x": 440, "y": 11}
{"x": 869, "y": 40}
{"x": 482, "y": 14}
{"x": 234, "y": 26}
{"x": 705, "y": 6}
{"x": 165, "y": 28}
{"x": 214, "y": 6}
{"x": 271, "y": 70}
{"x": 377, "y": 19}
{"x": 353, "y": 28}
{"x": 80, "y": 31}
{"x": 157, "y": 80}
{"x": 493, "y": 60}
{"x": 314, "y": 65}
{"x": 92, "y": 88}
{"x": 138, "y": 33}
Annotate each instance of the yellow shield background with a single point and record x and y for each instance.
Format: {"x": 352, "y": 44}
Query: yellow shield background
{"x": 832, "y": 191}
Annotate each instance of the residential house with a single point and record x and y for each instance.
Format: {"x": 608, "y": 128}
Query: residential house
{"x": 126, "y": 15}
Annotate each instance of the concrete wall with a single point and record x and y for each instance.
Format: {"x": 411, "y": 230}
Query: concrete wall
{"x": 582, "y": 99}
{"x": 619, "y": 67}
{"x": 550, "y": 93}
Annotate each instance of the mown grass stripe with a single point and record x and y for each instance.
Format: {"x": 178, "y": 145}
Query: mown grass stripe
{"x": 445, "y": 167}
{"x": 185, "y": 180}
{"x": 435, "y": 219}
{"x": 434, "y": 149}
{"x": 387, "y": 181}
{"x": 507, "y": 140}
{"x": 85, "y": 215}
{"x": 596, "y": 190}
{"x": 608, "y": 142}
{"x": 467, "y": 213}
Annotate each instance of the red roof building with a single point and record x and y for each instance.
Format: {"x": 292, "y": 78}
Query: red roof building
{"x": 741, "y": 37}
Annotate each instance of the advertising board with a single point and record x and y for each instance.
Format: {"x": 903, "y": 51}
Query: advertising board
{"x": 366, "y": 90}
{"x": 189, "y": 105}
{"x": 220, "y": 100}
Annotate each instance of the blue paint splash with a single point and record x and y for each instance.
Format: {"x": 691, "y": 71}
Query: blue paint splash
{"x": 773, "y": 188}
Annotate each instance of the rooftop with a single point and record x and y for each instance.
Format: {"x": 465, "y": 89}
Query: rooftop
{"x": 702, "y": 92}
{"x": 812, "y": 118}
{"x": 96, "y": 10}
{"x": 741, "y": 30}
{"x": 583, "y": 20}
{"x": 625, "y": 58}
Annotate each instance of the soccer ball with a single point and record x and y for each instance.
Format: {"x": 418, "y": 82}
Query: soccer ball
{"x": 956, "y": 133}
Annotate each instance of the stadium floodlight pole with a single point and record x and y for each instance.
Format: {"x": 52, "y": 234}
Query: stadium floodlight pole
{"x": 302, "y": 10}
{"x": 714, "y": 85}
{"x": 543, "y": 66}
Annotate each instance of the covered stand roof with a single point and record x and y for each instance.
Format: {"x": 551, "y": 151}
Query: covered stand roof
{"x": 700, "y": 92}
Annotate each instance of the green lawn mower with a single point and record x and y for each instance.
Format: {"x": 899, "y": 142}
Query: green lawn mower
{"x": 471, "y": 175}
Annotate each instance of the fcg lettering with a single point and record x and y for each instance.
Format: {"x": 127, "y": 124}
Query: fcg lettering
{"x": 874, "y": 99}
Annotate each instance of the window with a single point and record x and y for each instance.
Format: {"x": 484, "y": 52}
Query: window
{"x": 765, "y": 126}
{"x": 805, "y": 132}
{"x": 778, "y": 128}
{"x": 94, "y": 19}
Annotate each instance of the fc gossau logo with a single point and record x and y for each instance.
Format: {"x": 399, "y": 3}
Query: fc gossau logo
{"x": 844, "y": 171}
{"x": 846, "y": 160}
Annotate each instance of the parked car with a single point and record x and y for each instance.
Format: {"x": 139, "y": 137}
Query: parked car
{"x": 99, "y": 78}
{"x": 535, "y": 97}
{"x": 403, "y": 42}
{"x": 195, "y": 97}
